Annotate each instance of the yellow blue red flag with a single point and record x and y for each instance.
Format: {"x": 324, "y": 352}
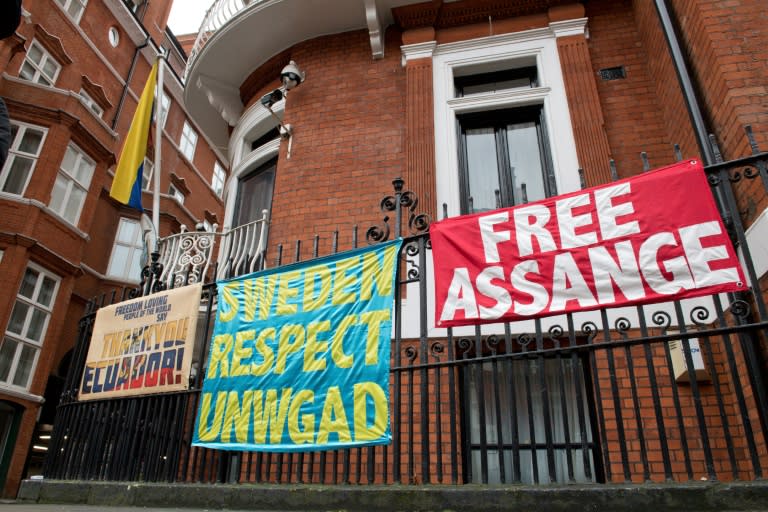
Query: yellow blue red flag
{"x": 126, "y": 187}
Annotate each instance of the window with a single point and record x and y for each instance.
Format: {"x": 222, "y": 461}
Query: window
{"x": 134, "y": 4}
{"x": 513, "y": 419}
{"x": 125, "y": 262}
{"x": 74, "y": 8}
{"x": 504, "y": 159}
{"x": 188, "y": 141}
{"x": 219, "y": 177}
{"x": 176, "y": 194}
{"x": 516, "y": 79}
{"x": 91, "y": 103}
{"x": 39, "y": 66}
{"x": 72, "y": 184}
{"x": 26, "y": 328}
{"x": 496, "y": 81}
{"x": 254, "y": 194}
{"x": 165, "y": 105}
{"x": 26, "y": 143}
{"x": 146, "y": 174}
{"x": 114, "y": 36}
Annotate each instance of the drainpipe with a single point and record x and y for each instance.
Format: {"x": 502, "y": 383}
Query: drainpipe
{"x": 128, "y": 81}
{"x": 686, "y": 85}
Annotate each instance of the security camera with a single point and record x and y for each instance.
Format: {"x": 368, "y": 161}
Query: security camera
{"x": 291, "y": 76}
{"x": 271, "y": 98}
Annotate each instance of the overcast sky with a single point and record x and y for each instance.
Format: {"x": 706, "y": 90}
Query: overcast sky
{"x": 186, "y": 15}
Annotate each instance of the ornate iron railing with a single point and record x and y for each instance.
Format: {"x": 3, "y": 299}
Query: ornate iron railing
{"x": 186, "y": 257}
{"x": 562, "y": 399}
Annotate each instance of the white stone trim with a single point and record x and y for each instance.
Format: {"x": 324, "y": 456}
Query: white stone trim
{"x": 565, "y": 28}
{"x": 417, "y": 51}
{"x": 16, "y": 392}
{"x": 537, "y": 45}
{"x": 757, "y": 241}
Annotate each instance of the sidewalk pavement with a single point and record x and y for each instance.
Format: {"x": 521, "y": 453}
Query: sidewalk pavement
{"x": 9, "y": 506}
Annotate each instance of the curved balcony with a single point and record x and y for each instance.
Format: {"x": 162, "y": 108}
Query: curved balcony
{"x": 238, "y": 36}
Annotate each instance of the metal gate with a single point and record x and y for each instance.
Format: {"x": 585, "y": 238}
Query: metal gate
{"x": 670, "y": 392}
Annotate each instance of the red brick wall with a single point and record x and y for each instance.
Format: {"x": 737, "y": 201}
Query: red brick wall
{"x": 631, "y": 107}
{"x": 348, "y": 141}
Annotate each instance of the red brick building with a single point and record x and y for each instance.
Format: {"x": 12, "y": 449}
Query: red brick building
{"x": 71, "y": 77}
{"x": 478, "y": 104}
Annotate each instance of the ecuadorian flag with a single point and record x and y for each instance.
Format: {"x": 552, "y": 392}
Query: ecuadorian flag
{"x": 126, "y": 187}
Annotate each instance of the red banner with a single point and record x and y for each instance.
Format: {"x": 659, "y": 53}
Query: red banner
{"x": 651, "y": 238}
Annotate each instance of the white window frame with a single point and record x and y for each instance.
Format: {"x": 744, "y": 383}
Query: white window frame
{"x": 146, "y": 176}
{"x": 133, "y": 246}
{"x": 490, "y": 54}
{"x": 218, "y": 179}
{"x": 20, "y": 339}
{"x": 254, "y": 123}
{"x": 188, "y": 141}
{"x": 176, "y": 193}
{"x": 13, "y": 153}
{"x": 72, "y": 183}
{"x": 165, "y": 107}
{"x": 67, "y": 4}
{"x": 91, "y": 103}
{"x": 49, "y": 81}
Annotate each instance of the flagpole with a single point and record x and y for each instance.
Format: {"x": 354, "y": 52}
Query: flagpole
{"x": 158, "y": 150}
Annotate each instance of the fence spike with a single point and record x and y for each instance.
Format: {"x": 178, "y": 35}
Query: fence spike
{"x": 678, "y": 153}
{"x": 646, "y": 163}
{"x": 715, "y": 148}
{"x": 582, "y": 181}
{"x": 614, "y": 172}
{"x": 751, "y": 139}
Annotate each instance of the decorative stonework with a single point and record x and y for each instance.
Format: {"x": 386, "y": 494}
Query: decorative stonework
{"x": 444, "y": 15}
{"x": 222, "y": 97}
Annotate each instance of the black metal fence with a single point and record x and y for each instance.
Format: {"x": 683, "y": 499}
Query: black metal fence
{"x": 672, "y": 392}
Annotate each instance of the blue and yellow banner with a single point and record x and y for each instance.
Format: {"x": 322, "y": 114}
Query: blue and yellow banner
{"x": 299, "y": 357}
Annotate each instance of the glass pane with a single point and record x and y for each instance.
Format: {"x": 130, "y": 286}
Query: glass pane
{"x": 19, "y": 314}
{"x": 24, "y": 367}
{"x": 76, "y": 198}
{"x": 525, "y": 161}
{"x": 482, "y": 167}
{"x": 42, "y": 80}
{"x": 36, "y": 325}
{"x": 35, "y": 54}
{"x": 135, "y": 270}
{"x": 74, "y": 10}
{"x": 7, "y": 352}
{"x": 128, "y": 232}
{"x": 503, "y": 85}
{"x": 254, "y": 195}
{"x": 49, "y": 68}
{"x": 58, "y": 194}
{"x": 27, "y": 71}
{"x": 18, "y": 174}
{"x": 27, "y": 288}
{"x": 30, "y": 142}
{"x": 70, "y": 159}
{"x": 46, "y": 291}
{"x": 84, "y": 172}
{"x": 119, "y": 261}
